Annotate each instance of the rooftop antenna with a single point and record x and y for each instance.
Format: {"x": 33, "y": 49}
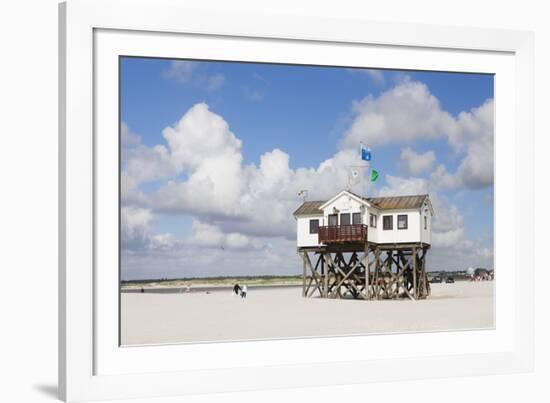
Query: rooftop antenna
{"x": 303, "y": 194}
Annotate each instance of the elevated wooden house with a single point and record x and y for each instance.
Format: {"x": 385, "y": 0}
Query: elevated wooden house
{"x": 368, "y": 248}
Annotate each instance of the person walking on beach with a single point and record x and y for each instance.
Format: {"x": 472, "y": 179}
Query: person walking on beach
{"x": 236, "y": 289}
{"x": 243, "y": 291}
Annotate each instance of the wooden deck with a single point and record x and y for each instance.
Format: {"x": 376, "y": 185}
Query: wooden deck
{"x": 355, "y": 233}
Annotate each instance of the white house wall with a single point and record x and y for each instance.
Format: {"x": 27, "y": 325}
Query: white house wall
{"x": 426, "y": 233}
{"x": 411, "y": 234}
{"x": 372, "y": 232}
{"x": 304, "y": 238}
{"x": 344, "y": 204}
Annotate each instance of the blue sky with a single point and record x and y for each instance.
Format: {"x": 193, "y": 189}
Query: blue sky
{"x": 311, "y": 114}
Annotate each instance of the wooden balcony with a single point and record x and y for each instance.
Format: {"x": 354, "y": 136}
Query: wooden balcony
{"x": 343, "y": 234}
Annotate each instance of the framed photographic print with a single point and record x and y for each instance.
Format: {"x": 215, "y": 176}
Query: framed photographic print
{"x": 244, "y": 208}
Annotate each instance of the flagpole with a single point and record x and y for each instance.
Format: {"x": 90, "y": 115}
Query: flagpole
{"x": 367, "y": 180}
{"x": 365, "y": 155}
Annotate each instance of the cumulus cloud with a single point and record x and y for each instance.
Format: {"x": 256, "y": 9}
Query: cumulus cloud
{"x": 145, "y": 164}
{"x": 443, "y": 180}
{"x": 408, "y": 113}
{"x": 414, "y": 163}
{"x": 476, "y": 136}
{"x": 218, "y": 188}
{"x": 211, "y": 236}
{"x": 398, "y": 186}
{"x": 473, "y": 137}
{"x": 202, "y": 146}
{"x": 137, "y": 235}
{"x": 405, "y": 113}
{"x": 200, "y": 173}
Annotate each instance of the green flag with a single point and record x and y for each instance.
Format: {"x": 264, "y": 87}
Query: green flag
{"x": 373, "y": 175}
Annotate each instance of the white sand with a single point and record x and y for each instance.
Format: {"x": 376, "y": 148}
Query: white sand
{"x": 278, "y": 313}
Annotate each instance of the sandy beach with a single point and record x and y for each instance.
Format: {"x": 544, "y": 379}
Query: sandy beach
{"x": 280, "y": 312}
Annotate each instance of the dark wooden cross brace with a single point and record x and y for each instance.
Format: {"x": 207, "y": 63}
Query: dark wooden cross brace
{"x": 347, "y": 275}
{"x": 312, "y": 274}
{"x": 401, "y": 272}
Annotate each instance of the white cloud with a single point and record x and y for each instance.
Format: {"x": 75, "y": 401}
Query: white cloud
{"x": 442, "y": 180}
{"x": 189, "y": 72}
{"x": 181, "y": 70}
{"x": 217, "y": 187}
{"x": 474, "y": 137}
{"x": 211, "y": 236}
{"x": 135, "y": 228}
{"x": 408, "y": 113}
{"x": 276, "y": 257}
{"x": 214, "y": 82}
{"x": 128, "y": 139}
{"x": 397, "y": 186}
{"x": 477, "y": 137}
{"x": 145, "y": 164}
{"x": 202, "y": 146}
{"x": 405, "y": 113}
{"x": 137, "y": 235}
{"x": 240, "y": 206}
{"x": 200, "y": 134}
{"x": 376, "y": 76}
{"x": 414, "y": 163}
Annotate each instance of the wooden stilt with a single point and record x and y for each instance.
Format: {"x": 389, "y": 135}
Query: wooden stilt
{"x": 415, "y": 285}
{"x": 345, "y": 273}
{"x": 304, "y": 275}
{"x": 367, "y": 272}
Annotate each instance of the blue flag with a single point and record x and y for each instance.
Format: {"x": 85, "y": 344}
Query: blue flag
{"x": 365, "y": 153}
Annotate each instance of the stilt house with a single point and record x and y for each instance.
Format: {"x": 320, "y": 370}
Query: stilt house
{"x": 393, "y": 234}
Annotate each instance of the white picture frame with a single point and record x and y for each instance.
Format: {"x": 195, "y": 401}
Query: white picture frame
{"x": 93, "y": 366}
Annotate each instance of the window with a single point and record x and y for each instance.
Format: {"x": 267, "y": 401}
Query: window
{"x": 357, "y": 218}
{"x": 425, "y": 222}
{"x": 313, "y": 226}
{"x": 402, "y": 221}
{"x": 332, "y": 219}
{"x": 387, "y": 222}
{"x": 345, "y": 219}
{"x": 372, "y": 219}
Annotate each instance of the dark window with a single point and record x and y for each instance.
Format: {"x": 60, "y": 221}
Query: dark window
{"x": 402, "y": 221}
{"x": 332, "y": 219}
{"x": 345, "y": 219}
{"x": 425, "y": 222}
{"x": 357, "y": 218}
{"x": 372, "y": 219}
{"x": 387, "y": 222}
{"x": 313, "y": 226}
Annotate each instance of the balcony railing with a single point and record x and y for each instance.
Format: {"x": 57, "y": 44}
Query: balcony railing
{"x": 343, "y": 233}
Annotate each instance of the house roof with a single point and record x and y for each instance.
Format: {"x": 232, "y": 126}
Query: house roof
{"x": 358, "y": 198}
{"x": 382, "y": 203}
{"x": 398, "y": 202}
{"x": 310, "y": 208}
